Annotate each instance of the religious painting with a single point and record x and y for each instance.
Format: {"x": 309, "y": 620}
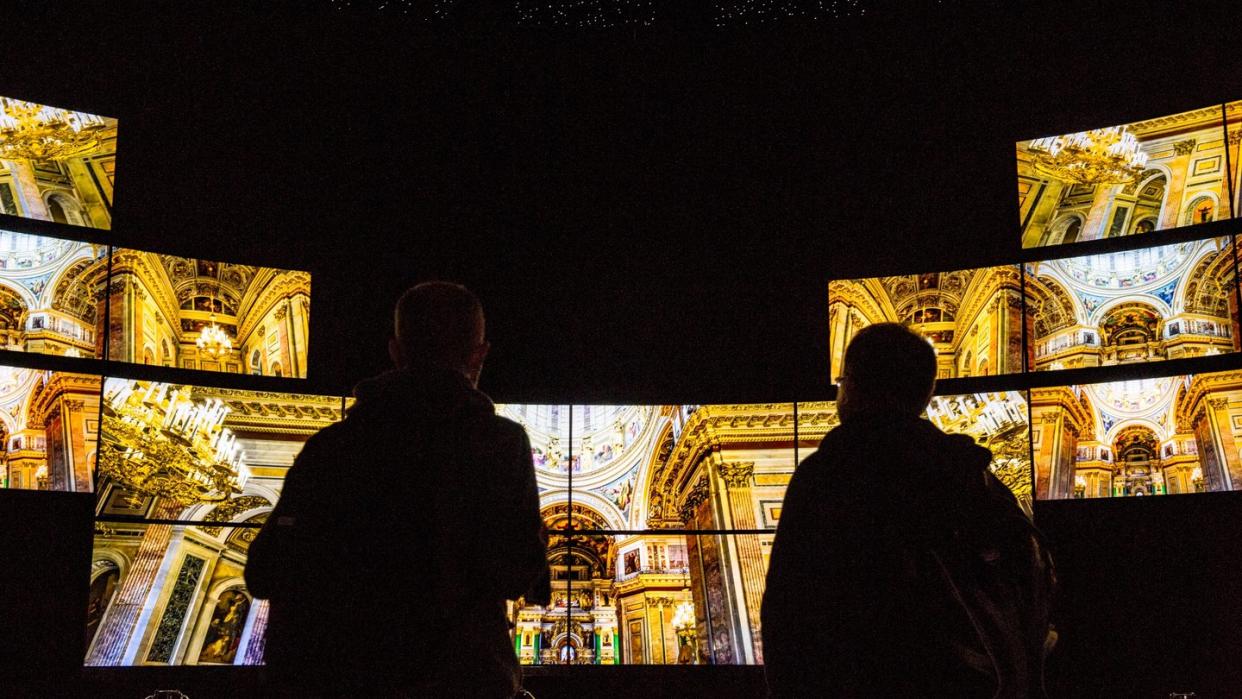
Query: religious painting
{"x": 631, "y": 562}
{"x": 973, "y": 318}
{"x": 224, "y": 631}
{"x": 212, "y": 316}
{"x": 1139, "y": 438}
{"x": 48, "y": 429}
{"x": 1146, "y": 305}
{"x": 56, "y": 164}
{"x": 199, "y": 453}
{"x": 1154, "y": 174}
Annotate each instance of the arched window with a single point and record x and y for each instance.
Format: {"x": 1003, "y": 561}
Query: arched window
{"x": 224, "y": 632}
{"x": 276, "y": 370}
{"x": 256, "y": 363}
{"x": 148, "y": 357}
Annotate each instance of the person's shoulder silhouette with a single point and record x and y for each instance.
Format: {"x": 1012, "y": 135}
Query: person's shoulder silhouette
{"x": 407, "y": 524}
{"x": 928, "y": 578}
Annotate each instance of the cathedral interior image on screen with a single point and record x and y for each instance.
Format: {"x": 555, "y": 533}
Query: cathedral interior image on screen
{"x": 56, "y": 164}
{"x": 180, "y": 468}
{"x": 214, "y": 316}
{"x": 1160, "y": 173}
{"x": 51, "y": 295}
{"x": 659, "y": 596}
{"x": 663, "y": 595}
{"x": 1176, "y": 434}
{"x": 1167, "y": 302}
{"x": 49, "y": 426}
{"x": 972, "y": 317}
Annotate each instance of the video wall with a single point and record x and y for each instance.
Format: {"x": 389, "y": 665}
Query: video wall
{"x": 661, "y": 517}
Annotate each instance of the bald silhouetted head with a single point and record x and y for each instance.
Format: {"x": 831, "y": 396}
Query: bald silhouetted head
{"x": 439, "y": 323}
{"x": 888, "y": 369}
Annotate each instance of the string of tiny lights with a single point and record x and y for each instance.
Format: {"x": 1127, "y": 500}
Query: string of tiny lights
{"x": 605, "y": 14}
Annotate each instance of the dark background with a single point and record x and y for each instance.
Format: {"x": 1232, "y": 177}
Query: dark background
{"x": 650, "y": 213}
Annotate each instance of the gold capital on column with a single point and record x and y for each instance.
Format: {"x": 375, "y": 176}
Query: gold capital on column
{"x": 736, "y": 474}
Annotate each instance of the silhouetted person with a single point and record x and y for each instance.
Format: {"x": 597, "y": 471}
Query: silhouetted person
{"x": 902, "y": 566}
{"x": 402, "y": 530}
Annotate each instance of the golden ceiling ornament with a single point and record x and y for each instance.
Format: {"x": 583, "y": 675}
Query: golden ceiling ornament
{"x": 1100, "y": 156}
{"x": 158, "y": 442}
{"x": 30, "y": 131}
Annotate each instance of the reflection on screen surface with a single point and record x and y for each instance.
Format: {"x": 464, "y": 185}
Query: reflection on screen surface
{"x": 972, "y": 318}
{"x": 1145, "y": 437}
{"x": 1167, "y": 302}
{"x": 1150, "y": 175}
{"x": 56, "y": 164}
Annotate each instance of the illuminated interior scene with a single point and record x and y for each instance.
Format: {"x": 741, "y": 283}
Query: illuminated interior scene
{"x": 49, "y": 428}
{"x": 647, "y": 598}
{"x": 51, "y": 299}
{"x": 213, "y": 316}
{"x": 1167, "y": 302}
{"x": 56, "y": 164}
{"x": 1150, "y": 175}
{"x": 188, "y": 464}
{"x": 1178, "y": 434}
{"x": 973, "y": 318}
{"x": 655, "y": 598}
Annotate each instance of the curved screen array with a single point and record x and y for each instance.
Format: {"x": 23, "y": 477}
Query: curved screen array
{"x": 1151, "y": 175}
{"x": 661, "y": 517}
{"x": 56, "y": 164}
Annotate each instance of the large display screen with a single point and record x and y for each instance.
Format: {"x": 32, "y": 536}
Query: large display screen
{"x": 56, "y": 164}
{"x": 49, "y": 428}
{"x": 193, "y": 453}
{"x": 1146, "y": 305}
{"x": 1170, "y": 435}
{"x": 973, "y": 317}
{"x": 213, "y": 316}
{"x": 50, "y": 295}
{"x": 1160, "y": 173}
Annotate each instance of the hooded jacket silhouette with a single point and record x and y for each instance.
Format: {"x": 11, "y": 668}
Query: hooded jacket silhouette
{"x": 904, "y": 567}
{"x": 399, "y": 535}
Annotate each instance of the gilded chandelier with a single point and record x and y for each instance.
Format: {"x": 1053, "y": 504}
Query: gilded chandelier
{"x": 213, "y": 341}
{"x": 161, "y": 443}
{"x": 30, "y": 131}
{"x": 1100, "y": 156}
